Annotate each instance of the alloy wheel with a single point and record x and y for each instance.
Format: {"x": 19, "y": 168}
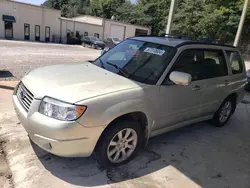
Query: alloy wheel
{"x": 122, "y": 145}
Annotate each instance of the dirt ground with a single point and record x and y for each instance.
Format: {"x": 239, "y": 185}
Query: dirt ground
{"x": 199, "y": 155}
{"x": 20, "y": 57}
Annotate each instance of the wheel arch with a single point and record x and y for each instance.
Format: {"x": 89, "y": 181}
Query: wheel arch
{"x": 139, "y": 116}
{"x": 233, "y": 97}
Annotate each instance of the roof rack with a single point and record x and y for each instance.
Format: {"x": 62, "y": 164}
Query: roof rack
{"x": 184, "y": 37}
{"x": 192, "y": 40}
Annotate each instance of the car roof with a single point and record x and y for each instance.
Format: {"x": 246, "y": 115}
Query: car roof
{"x": 176, "y": 42}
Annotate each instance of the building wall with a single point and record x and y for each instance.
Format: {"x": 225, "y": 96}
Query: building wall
{"x": 73, "y": 26}
{"x": 32, "y": 15}
{"x": 37, "y": 15}
{"x": 129, "y": 29}
{"x": 90, "y": 19}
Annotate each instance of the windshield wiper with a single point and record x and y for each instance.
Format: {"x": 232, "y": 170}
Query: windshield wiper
{"x": 118, "y": 68}
{"x": 102, "y": 64}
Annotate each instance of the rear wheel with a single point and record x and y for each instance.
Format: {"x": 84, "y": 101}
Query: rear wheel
{"x": 119, "y": 143}
{"x": 224, "y": 113}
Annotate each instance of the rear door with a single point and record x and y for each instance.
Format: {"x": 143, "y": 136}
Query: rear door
{"x": 238, "y": 71}
{"x": 216, "y": 81}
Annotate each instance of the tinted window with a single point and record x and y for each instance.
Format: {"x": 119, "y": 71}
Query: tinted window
{"x": 94, "y": 38}
{"x": 137, "y": 60}
{"x": 86, "y": 38}
{"x": 202, "y": 64}
{"x": 235, "y": 62}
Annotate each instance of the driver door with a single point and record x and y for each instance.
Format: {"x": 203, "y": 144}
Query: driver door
{"x": 179, "y": 104}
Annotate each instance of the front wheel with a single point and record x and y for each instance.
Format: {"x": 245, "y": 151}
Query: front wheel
{"x": 119, "y": 143}
{"x": 224, "y": 113}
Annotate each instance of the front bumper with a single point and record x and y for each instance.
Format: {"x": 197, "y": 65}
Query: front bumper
{"x": 62, "y": 138}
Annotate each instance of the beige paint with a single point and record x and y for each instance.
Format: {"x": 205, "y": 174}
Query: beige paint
{"x": 129, "y": 28}
{"x": 30, "y": 14}
{"x": 73, "y": 26}
{"x": 90, "y": 19}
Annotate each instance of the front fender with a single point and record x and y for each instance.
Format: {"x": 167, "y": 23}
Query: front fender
{"x": 103, "y": 112}
{"x": 125, "y": 107}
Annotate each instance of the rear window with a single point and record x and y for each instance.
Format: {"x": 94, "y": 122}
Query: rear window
{"x": 236, "y": 62}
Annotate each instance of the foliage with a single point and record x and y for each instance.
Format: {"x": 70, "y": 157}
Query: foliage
{"x": 214, "y": 19}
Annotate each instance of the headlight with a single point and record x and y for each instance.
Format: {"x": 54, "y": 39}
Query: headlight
{"x": 60, "y": 110}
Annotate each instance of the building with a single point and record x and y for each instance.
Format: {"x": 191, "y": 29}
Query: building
{"x": 28, "y": 22}
{"x": 102, "y": 28}
{"x": 35, "y": 23}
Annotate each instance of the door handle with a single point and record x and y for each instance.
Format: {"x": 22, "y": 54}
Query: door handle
{"x": 196, "y": 88}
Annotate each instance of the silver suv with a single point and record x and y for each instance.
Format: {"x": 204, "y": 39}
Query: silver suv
{"x": 143, "y": 87}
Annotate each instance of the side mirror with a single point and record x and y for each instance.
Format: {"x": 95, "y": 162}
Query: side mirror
{"x": 180, "y": 78}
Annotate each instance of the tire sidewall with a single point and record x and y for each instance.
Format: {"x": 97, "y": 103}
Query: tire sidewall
{"x": 216, "y": 119}
{"x": 101, "y": 150}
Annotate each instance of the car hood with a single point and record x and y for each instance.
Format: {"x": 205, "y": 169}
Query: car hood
{"x": 74, "y": 82}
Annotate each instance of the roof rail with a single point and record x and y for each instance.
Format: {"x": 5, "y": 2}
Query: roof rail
{"x": 212, "y": 41}
{"x": 169, "y": 36}
{"x": 179, "y": 37}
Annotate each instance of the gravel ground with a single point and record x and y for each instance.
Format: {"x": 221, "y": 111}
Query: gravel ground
{"x": 20, "y": 57}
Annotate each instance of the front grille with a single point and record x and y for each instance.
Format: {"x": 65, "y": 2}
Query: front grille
{"x": 24, "y": 96}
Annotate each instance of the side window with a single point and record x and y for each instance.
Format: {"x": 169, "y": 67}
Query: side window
{"x": 235, "y": 62}
{"x": 202, "y": 64}
{"x": 214, "y": 64}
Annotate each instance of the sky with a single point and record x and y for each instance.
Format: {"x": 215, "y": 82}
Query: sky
{"x": 39, "y": 2}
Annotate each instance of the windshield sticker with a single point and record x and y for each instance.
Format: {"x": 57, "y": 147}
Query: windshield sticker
{"x": 154, "y": 51}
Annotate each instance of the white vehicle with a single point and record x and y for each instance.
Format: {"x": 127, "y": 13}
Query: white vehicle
{"x": 142, "y": 87}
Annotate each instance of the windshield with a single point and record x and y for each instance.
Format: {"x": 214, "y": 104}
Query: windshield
{"x": 137, "y": 60}
{"x": 94, "y": 38}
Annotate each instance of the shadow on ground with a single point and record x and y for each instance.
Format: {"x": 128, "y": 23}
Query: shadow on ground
{"x": 209, "y": 156}
{"x": 6, "y": 87}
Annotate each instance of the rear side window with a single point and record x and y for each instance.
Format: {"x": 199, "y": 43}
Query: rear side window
{"x": 235, "y": 62}
{"x": 202, "y": 63}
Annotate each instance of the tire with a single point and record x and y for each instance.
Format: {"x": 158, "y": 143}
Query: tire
{"x": 104, "y": 144}
{"x": 220, "y": 121}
